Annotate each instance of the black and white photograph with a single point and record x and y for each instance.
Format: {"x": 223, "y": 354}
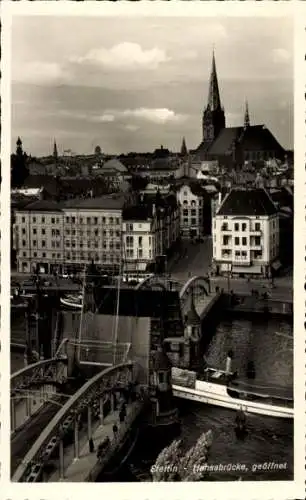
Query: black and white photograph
{"x": 151, "y": 249}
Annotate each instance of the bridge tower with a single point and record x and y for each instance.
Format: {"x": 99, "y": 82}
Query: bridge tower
{"x": 192, "y": 335}
{"x": 162, "y": 400}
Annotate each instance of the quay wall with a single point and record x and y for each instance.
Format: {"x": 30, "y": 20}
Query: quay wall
{"x": 240, "y": 303}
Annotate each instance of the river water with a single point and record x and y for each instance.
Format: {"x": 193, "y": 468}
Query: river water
{"x": 268, "y": 343}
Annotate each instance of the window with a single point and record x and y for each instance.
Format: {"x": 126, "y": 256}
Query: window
{"x": 129, "y": 227}
{"x": 225, "y": 240}
{"x": 111, "y": 232}
{"x": 104, "y": 233}
{"x": 257, "y": 226}
{"x": 193, "y": 212}
{"x": 88, "y": 243}
{"x": 95, "y": 220}
{"x": 68, "y": 231}
{"x": 34, "y": 243}
{"x": 67, "y": 220}
{"x": 57, "y": 244}
{"x": 52, "y": 220}
{"x": 237, "y": 242}
{"x": 34, "y": 219}
{"x": 161, "y": 377}
{"x": 185, "y": 213}
{"x": 117, "y": 221}
{"x": 35, "y": 254}
{"x": 111, "y": 220}
{"x": 88, "y": 220}
{"x": 140, "y": 241}
{"x": 224, "y": 226}
{"x": 53, "y": 256}
{"x": 129, "y": 241}
{"x": 81, "y": 220}
{"x": 243, "y": 254}
{"x": 96, "y": 244}
{"x": 43, "y": 231}
{"x": 193, "y": 222}
{"x": 150, "y": 254}
{"x": 185, "y": 193}
{"x": 53, "y": 233}
{"x": 22, "y": 219}
{"x": 140, "y": 253}
{"x": 23, "y": 231}
{"x": 34, "y": 230}
{"x": 44, "y": 255}
{"x": 118, "y": 234}
{"x": 96, "y": 232}
{"x": 257, "y": 240}
{"x": 43, "y": 243}
{"x": 244, "y": 241}
{"x": 24, "y": 254}
{"x": 243, "y": 226}
{"x": 236, "y": 226}
{"x": 73, "y": 220}
{"x": 67, "y": 243}
{"x": 103, "y": 220}
{"x": 150, "y": 241}
{"x": 68, "y": 256}
{"x": 118, "y": 246}
{"x": 237, "y": 254}
{"x": 43, "y": 220}
{"x": 185, "y": 202}
{"x": 53, "y": 244}
{"x": 185, "y": 222}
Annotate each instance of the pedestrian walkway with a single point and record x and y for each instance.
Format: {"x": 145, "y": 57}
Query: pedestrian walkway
{"x": 79, "y": 469}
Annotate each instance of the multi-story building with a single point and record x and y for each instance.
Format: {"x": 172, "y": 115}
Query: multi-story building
{"x": 67, "y": 235}
{"x": 150, "y": 230}
{"x": 195, "y": 210}
{"x": 246, "y": 233}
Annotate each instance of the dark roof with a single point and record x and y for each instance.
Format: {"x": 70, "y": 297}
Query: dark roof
{"x": 44, "y": 205}
{"x": 111, "y": 202}
{"x": 243, "y": 202}
{"x": 137, "y": 212}
{"x": 224, "y": 142}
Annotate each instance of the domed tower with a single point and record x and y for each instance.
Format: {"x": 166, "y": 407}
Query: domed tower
{"x": 192, "y": 335}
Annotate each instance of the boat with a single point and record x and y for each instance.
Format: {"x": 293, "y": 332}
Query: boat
{"x": 72, "y": 301}
{"x": 223, "y": 388}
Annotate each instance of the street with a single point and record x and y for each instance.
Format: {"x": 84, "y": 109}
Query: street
{"x": 195, "y": 260}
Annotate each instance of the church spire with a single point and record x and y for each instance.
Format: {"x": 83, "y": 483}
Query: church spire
{"x": 214, "y": 101}
{"x": 184, "y": 150}
{"x": 246, "y": 115}
{"x": 55, "y": 154}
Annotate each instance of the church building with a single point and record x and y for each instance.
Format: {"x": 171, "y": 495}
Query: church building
{"x": 232, "y": 146}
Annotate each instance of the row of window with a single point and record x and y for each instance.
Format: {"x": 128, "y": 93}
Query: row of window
{"x": 130, "y": 241}
{"x": 193, "y": 212}
{"x": 256, "y": 241}
{"x": 91, "y": 256}
{"x": 95, "y": 244}
{"x": 43, "y": 255}
{"x": 93, "y": 220}
{"x": 240, "y": 226}
{"x": 192, "y": 222}
{"x": 130, "y": 254}
{"x": 257, "y": 254}
{"x": 193, "y": 203}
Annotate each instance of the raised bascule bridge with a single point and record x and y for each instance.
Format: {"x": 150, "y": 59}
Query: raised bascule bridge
{"x": 64, "y": 407}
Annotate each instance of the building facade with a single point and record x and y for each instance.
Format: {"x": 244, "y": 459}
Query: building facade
{"x": 246, "y": 234}
{"x": 63, "y": 237}
{"x": 195, "y": 210}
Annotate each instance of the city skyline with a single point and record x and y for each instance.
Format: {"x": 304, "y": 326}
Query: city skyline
{"x": 136, "y": 86}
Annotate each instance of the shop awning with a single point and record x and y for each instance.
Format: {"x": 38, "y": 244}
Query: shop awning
{"x": 247, "y": 269}
{"x": 276, "y": 265}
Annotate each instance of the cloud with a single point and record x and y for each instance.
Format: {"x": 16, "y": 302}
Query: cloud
{"x": 38, "y": 72}
{"x": 105, "y": 118}
{"x": 281, "y": 56}
{"x": 131, "y": 128}
{"x": 155, "y": 115}
{"x": 124, "y": 56}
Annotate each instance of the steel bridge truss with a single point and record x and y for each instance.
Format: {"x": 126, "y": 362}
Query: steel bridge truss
{"x": 90, "y": 396}
{"x": 51, "y": 371}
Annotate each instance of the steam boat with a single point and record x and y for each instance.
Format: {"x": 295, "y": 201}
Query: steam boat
{"x": 223, "y": 388}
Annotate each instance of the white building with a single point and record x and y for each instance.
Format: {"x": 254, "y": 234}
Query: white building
{"x": 191, "y": 198}
{"x": 246, "y": 234}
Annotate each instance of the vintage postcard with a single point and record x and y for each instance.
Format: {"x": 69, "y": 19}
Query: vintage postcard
{"x": 152, "y": 283}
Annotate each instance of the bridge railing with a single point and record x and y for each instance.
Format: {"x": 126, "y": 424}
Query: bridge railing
{"x": 110, "y": 378}
{"x": 54, "y": 369}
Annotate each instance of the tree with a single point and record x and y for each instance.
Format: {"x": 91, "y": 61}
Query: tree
{"x": 98, "y": 150}
{"x": 172, "y": 464}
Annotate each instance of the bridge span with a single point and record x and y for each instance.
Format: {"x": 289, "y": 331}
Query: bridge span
{"x": 94, "y": 405}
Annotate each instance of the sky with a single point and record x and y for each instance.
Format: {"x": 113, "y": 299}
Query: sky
{"x": 138, "y": 83}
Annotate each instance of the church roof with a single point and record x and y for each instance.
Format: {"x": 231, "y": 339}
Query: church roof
{"x": 224, "y": 142}
{"x": 244, "y": 202}
{"x": 214, "y": 101}
{"x": 114, "y": 164}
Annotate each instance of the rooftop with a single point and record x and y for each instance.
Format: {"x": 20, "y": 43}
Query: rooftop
{"x": 243, "y": 202}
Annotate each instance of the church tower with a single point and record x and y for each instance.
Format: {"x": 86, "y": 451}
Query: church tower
{"x": 213, "y": 116}
{"x": 246, "y": 115}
